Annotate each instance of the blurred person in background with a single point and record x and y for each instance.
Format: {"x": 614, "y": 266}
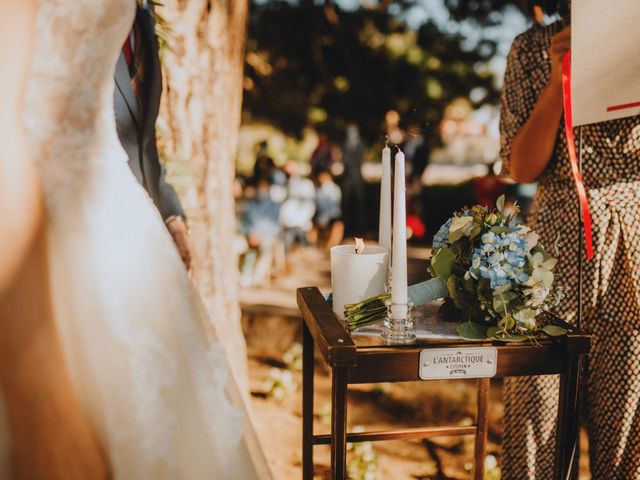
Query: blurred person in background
{"x": 351, "y": 181}
{"x": 297, "y": 211}
{"x": 417, "y": 153}
{"x": 264, "y": 164}
{"x": 328, "y": 220}
{"x": 395, "y": 134}
{"x": 417, "y": 156}
{"x": 322, "y": 158}
{"x": 261, "y": 226}
{"x": 265, "y": 168}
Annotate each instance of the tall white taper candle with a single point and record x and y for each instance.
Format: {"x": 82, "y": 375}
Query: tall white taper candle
{"x": 399, "y": 260}
{"x": 384, "y": 227}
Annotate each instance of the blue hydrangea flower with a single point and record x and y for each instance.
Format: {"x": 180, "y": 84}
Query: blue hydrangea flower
{"x": 441, "y": 239}
{"x": 501, "y": 258}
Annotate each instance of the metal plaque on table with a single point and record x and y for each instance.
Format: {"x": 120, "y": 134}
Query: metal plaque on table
{"x": 447, "y": 363}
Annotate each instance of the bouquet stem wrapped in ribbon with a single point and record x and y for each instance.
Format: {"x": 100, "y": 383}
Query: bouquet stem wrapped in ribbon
{"x": 492, "y": 270}
{"x": 374, "y": 309}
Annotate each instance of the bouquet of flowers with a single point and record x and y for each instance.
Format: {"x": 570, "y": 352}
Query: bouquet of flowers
{"x": 498, "y": 275}
{"x": 493, "y": 271}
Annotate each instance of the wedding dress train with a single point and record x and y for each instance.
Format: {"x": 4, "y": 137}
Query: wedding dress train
{"x": 148, "y": 370}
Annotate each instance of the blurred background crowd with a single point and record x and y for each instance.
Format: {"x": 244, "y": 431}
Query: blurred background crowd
{"x": 334, "y": 192}
{"x": 327, "y": 84}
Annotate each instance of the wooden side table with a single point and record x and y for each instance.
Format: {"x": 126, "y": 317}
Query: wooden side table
{"x": 366, "y": 359}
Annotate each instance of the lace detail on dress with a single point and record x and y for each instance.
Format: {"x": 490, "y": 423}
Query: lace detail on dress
{"x": 70, "y": 88}
{"x": 132, "y": 327}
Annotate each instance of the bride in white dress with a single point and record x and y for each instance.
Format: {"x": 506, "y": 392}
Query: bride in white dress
{"x": 148, "y": 371}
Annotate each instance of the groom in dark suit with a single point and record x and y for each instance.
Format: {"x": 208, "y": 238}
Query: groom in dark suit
{"x": 137, "y": 102}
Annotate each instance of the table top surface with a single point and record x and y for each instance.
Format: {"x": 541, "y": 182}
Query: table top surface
{"x": 430, "y": 327}
{"x": 432, "y": 330}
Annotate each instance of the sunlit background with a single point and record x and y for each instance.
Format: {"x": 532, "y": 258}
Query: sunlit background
{"x": 326, "y": 84}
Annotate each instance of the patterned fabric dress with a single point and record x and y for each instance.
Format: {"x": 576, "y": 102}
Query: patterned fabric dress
{"x": 611, "y": 296}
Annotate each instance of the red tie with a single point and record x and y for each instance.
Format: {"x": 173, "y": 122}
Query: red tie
{"x": 128, "y": 51}
{"x": 134, "y": 56}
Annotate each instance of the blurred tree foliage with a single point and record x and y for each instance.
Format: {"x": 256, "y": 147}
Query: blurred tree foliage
{"x": 484, "y": 12}
{"x": 311, "y": 63}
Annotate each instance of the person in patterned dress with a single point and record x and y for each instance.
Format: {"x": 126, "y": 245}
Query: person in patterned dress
{"x": 534, "y": 148}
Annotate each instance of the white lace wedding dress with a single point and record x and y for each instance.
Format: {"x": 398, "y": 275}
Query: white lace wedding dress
{"x": 147, "y": 368}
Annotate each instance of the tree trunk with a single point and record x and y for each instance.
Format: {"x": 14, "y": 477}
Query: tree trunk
{"x": 200, "y": 119}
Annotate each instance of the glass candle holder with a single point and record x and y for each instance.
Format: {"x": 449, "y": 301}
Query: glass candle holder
{"x": 398, "y": 324}
{"x": 387, "y": 285}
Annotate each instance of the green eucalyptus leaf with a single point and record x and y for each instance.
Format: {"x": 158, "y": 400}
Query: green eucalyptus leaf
{"x": 457, "y": 230}
{"x": 460, "y": 222}
{"x": 442, "y": 261}
{"x": 468, "y": 228}
{"x": 476, "y": 230}
{"x": 503, "y": 289}
{"x": 455, "y": 236}
{"x": 500, "y": 229}
{"x": 511, "y": 338}
{"x": 492, "y": 331}
{"x": 499, "y": 303}
{"x": 554, "y": 330}
{"x": 472, "y": 331}
{"x": 509, "y": 296}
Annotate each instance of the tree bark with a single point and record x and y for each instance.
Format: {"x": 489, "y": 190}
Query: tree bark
{"x": 200, "y": 119}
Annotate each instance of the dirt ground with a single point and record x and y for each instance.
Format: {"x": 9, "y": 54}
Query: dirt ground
{"x": 272, "y": 324}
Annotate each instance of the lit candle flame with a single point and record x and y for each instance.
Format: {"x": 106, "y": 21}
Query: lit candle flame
{"x": 359, "y": 245}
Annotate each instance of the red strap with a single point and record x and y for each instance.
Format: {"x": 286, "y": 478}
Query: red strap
{"x": 571, "y": 144}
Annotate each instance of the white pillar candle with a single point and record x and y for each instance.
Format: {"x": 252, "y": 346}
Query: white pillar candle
{"x": 357, "y": 276}
{"x": 384, "y": 228}
{"x": 399, "y": 258}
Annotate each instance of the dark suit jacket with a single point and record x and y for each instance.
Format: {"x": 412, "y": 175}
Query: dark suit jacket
{"x": 136, "y": 129}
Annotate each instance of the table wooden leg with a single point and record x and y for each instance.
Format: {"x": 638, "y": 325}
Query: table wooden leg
{"x": 568, "y": 421}
{"x": 339, "y": 424}
{"x": 307, "y": 402}
{"x": 482, "y": 422}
